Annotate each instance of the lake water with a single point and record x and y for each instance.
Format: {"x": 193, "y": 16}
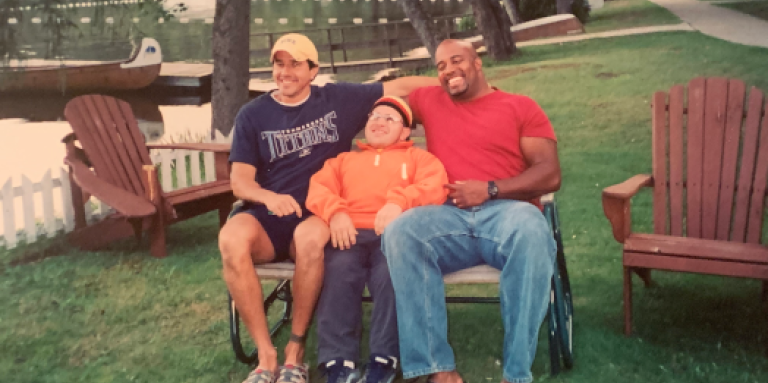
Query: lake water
{"x": 31, "y": 126}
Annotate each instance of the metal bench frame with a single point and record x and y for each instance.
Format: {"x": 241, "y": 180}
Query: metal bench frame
{"x": 560, "y": 314}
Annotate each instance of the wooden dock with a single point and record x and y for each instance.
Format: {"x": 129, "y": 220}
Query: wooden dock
{"x": 184, "y": 76}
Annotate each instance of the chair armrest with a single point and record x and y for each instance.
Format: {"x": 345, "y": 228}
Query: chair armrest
{"x": 616, "y": 204}
{"x": 550, "y": 213}
{"x": 74, "y": 151}
{"x": 203, "y": 147}
{"x": 628, "y": 188}
{"x": 124, "y": 202}
{"x": 69, "y": 138}
{"x": 547, "y": 199}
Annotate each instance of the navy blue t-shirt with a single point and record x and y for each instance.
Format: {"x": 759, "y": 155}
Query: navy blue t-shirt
{"x": 288, "y": 144}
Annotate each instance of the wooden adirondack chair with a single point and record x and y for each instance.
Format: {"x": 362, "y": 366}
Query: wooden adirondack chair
{"x": 113, "y": 164}
{"x": 709, "y": 187}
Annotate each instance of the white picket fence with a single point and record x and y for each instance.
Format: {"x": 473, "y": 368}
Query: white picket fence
{"x": 33, "y": 210}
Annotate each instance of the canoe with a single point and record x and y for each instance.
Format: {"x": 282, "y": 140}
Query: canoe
{"x": 135, "y": 73}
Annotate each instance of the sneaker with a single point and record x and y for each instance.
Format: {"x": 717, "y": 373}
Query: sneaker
{"x": 381, "y": 369}
{"x": 340, "y": 371}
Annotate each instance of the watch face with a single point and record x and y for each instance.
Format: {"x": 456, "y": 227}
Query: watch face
{"x": 493, "y": 190}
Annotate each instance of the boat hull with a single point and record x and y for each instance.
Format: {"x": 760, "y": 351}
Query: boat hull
{"x": 137, "y": 72}
{"x": 76, "y": 79}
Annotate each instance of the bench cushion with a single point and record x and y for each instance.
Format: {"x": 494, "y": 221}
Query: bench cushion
{"x": 477, "y": 274}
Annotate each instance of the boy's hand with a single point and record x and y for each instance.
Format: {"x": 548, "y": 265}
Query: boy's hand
{"x": 282, "y": 205}
{"x": 343, "y": 233}
{"x": 386, "y": 214}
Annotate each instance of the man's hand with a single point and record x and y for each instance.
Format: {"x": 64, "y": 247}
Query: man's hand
{"x": 386, "y": 214}
{"x": 468, "y": 193}
{"x": 282, "y": 205}
{"x": 343, "y": 233}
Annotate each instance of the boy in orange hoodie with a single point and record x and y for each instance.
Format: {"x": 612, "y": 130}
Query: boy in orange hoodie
{"x": 358, "y": 194}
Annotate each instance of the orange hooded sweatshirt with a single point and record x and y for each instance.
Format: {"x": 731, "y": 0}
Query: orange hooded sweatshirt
{"x": 361, "y": 183}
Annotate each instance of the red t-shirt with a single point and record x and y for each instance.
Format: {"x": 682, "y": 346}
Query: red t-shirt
{"x": 480, "y": 139}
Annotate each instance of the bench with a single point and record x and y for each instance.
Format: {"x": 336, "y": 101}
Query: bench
{"x": 560, "y": 313}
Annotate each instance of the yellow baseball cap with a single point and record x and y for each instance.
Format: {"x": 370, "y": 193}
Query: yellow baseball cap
{"x": 298, "y": 46}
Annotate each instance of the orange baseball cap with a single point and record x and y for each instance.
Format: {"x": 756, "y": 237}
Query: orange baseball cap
{"x": 298, "y": 46}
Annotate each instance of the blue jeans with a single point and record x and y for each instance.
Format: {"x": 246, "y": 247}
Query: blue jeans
{"x": 427, "y": 242}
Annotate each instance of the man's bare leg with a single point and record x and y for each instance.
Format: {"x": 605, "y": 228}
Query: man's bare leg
{"x": 309, "y": 239}
{"x": 243, "y": 242}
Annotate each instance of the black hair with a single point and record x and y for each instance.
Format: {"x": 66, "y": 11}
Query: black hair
{"x": 311, "y": 64}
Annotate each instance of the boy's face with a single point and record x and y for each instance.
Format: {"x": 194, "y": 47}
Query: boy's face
{"x": 385, "y": 127}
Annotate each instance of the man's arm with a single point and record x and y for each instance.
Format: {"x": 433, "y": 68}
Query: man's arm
{"x": 245, "y": 187}
{"x": 541, "y": 177}
{"x": 403, "y": 86}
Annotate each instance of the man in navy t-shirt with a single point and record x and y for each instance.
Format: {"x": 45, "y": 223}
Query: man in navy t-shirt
{"x": 280, "y": 140}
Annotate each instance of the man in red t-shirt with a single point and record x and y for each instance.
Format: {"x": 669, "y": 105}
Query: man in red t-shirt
{"x": 500, "y": 152}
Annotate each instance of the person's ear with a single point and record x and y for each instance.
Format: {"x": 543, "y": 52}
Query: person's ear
{"x": 314, "y": 71}
{"x": 478, "y": 63}
{"x": 405, "y": 133}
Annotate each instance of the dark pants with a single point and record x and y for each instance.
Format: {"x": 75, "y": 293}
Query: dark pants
{"x": 340, "y": 309}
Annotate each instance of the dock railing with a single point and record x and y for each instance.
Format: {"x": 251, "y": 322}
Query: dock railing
{"x": 396, "y": 36}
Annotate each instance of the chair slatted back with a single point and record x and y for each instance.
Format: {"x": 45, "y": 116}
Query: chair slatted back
{"x": 110, "y": 136}
{"x": 710, "y": 161}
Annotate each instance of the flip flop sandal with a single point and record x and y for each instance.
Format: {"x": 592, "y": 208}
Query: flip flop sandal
{"x": 260, "y": 376}
{"x": 293, "y": 374}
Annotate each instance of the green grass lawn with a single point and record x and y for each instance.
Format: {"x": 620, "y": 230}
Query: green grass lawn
{"x": 621, "y": 14}
{"x": 758, "y": 9}
{"x": 119, "y": 315}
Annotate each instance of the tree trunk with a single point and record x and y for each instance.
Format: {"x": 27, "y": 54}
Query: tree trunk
{"x": 505, "y": 24}
{"x": 563, "y": 6}
{"x": 513, "y": 11}
{"x": 231, "y": 55}
{"x": 423, "y": 24}
{"x": 494, "y": 25}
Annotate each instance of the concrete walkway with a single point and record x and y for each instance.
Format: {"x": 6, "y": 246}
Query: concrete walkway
{"x": 719, "y": 22}
{"x": 606, "y": 34}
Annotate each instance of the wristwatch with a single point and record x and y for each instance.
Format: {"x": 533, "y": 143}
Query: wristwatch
{"x": 493, "y": 190}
